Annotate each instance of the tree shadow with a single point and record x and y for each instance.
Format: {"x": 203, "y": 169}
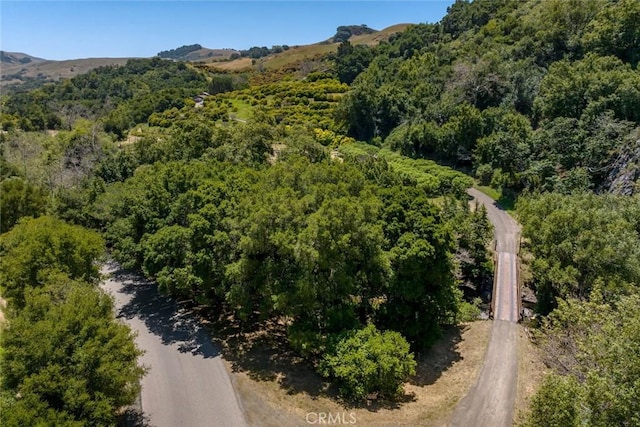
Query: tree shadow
{"x": 133, "y": 418}
{"x": 261, "y": 351}
{"x": 174, "y": 322}
{"x": 432, "y": 363}
{"x": 264, "y": 354}
{"x": 375, "y": 405}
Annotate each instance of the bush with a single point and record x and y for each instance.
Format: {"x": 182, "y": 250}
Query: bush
{"x": 484, "y": 173}
{"x": 469, "y": 311}
{"x": 369, "y": 361}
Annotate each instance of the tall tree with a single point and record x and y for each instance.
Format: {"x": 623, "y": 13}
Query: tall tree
{"x": 66, "y": 360}
{"x": 37, "y": 248}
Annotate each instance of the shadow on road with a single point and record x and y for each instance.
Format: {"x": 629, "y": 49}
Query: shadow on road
{"x": 134, "y": 418}
{"x": 174, "y": 323}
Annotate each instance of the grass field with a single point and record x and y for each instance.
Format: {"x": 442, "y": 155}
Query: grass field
{"x": 235, "y": 65}
{"x": 298, "y": 53}
{"x": 57, "y": 69}
{"x": 531, "y": 372}
{"x": 243, "y": 109}
{"x": 375, "y": 38}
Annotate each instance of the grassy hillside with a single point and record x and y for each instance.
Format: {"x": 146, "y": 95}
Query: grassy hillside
{"x": 297, "y": 54}
{"x": 9, "y": 58}
{"x": 41, "y": 70}
{"x": 228, "y": 196}
{"x": 208, "y": 55}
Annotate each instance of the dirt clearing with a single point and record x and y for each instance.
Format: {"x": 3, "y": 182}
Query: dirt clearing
{"x": 277, "y": 388}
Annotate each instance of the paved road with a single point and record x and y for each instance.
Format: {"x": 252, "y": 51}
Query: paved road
{"x": 490, "y": 402}
{"x": 187, "y": 383}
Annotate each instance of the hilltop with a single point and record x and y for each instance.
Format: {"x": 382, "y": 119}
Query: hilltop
{"x": 26, "y": 71}
{"x": 196, "y": 52}
{"x": 9, "y": 58}
{"x": 29, "y": 71}
{"x": 297, "y": 54}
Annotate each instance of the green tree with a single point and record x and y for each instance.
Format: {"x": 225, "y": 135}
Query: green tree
{"x": 594, "y": 348}
{"x": 589, "y": 86}
{"x": 19, "y": 198}
{"x": 421, "y": 293}
{"x": 37, "y": 248}
{"x": 579, "y": 241}
{"x": 66, "y": 360}
{"x": 351, "y": 60}
{"x": 369, "y": 361}
{"x": 220, "y": 84}
{"x": 614, "y": 31}
{"x": 508, "y": 147}
{"x": 555, "y": 403}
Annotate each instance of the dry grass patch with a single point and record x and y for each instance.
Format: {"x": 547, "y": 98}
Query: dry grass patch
{"x": 375, "y": 38}
{"x": 297, "y": 54}
{"x": 278, "y": 388}
{"x": 239, "y": 64}
{"x": 531, "y": 372}
{"x": 56, "y": 70}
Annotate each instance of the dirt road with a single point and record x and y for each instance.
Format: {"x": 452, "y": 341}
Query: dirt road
{"x": 187, "y": 383}
{"x": 490, "y": 402}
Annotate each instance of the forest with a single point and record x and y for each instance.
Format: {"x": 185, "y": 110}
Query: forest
{"x": 332, "y": 202}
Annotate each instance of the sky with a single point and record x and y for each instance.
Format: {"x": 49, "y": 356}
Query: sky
{"x": 90, "y": 29}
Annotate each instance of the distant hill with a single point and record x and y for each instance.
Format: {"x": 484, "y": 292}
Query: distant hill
{"x": 197, "y": 53}
{"x": 360, "y": 35}
{"x": 346, "y": 31}
{"x": 28, "y": 71}
{"x": 10, "y": 58}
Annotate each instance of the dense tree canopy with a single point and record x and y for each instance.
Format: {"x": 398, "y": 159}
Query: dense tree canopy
{"x": 313, "y": 241}
{"x": 257, "y": 201}
{"x": 483, "y": 88}
{"x": 580, "y": 242}
{"x": 66, "y": 360}
{"x": 593, "y": 347}
{"x": 37, "y": 248}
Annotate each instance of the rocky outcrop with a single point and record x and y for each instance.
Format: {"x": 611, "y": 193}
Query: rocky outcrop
{"x": 624, "y": 176}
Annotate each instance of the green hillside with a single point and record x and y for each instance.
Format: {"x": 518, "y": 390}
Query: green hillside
{"x": 316, "y": 195}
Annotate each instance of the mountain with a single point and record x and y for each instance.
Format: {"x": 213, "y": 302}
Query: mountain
{"x": 359, "y": 35}
{"x": 37, "y": 71}
{"x": 196, "y": 52}
{"x": 21, "y": 69}
{"x": 345, "y": 32}
{"x": 26, "y": 71}
{"x": 10, "y": 58}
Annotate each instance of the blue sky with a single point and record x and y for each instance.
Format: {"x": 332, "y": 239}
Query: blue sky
{"x": 81, "y": 29}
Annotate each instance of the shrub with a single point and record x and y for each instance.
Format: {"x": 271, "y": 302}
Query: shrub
{"x": 369, "y": 361}
{"x": 484, "y": 173}
{"x": 469, "y": 311}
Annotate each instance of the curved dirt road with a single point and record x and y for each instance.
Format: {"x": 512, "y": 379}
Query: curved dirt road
{"x": 187, "y": 383}
{"x": 490, "y": 401}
